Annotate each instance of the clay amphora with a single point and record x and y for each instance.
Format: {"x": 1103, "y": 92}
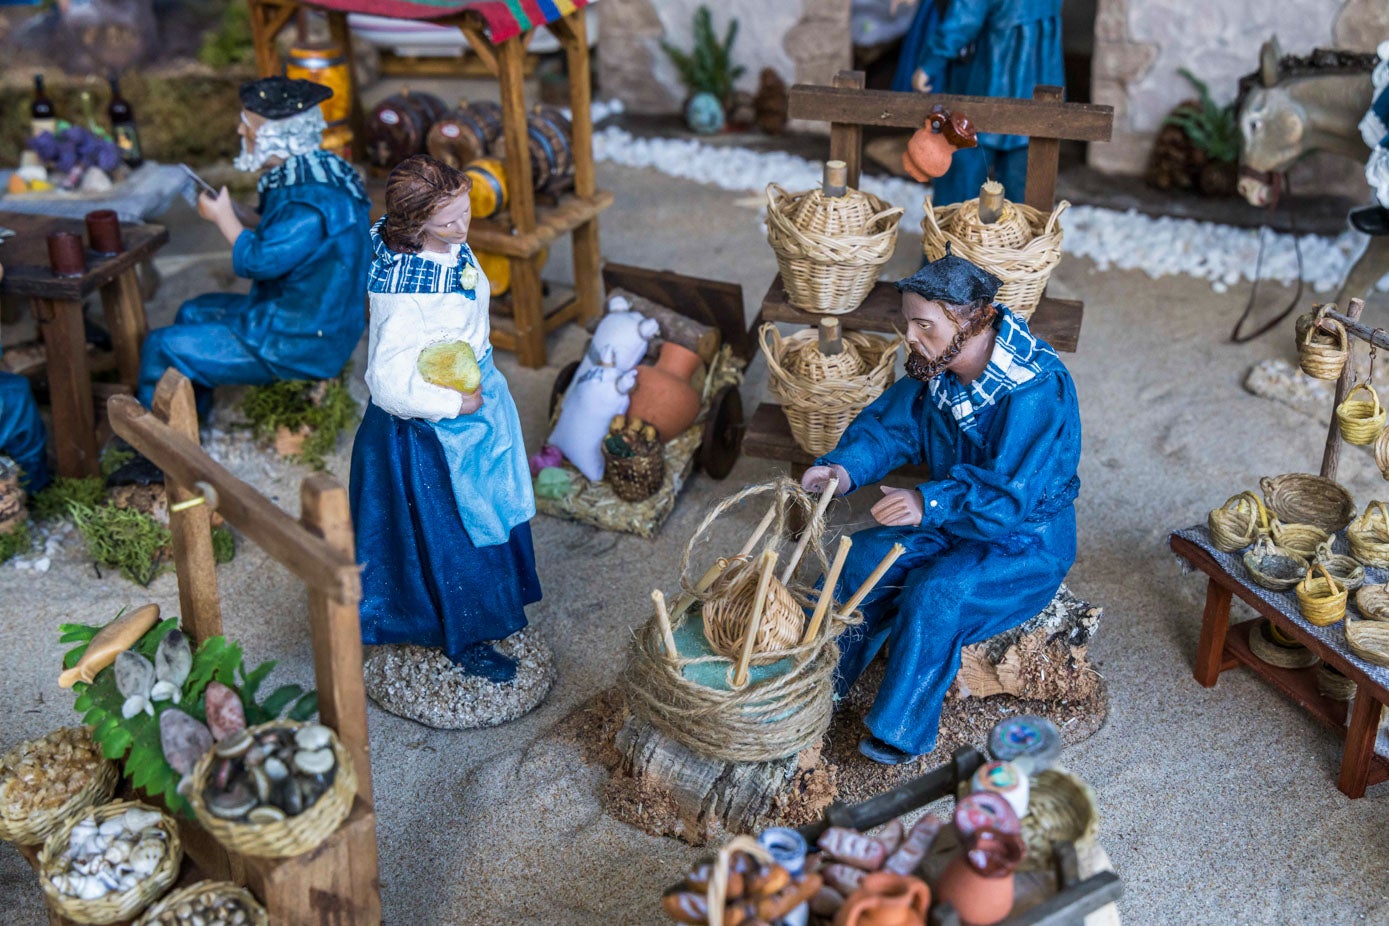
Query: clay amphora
{"x": 927, "y": 156}
{"x": 886, "y": 899}
{"x": 664, "y": 396}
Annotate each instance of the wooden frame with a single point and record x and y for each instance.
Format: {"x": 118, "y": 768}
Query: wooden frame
{"x": 530, "y": 230}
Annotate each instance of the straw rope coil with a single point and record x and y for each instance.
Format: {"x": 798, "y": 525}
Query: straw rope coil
{"x": 1273, "y": 567}
{"x": 1237, "y": 523}
{"x": 1302, "y": 539}
{"x": 1323, "y": 349}
{"x": 1321, "y": 598}
{"x": 221, "y": 890}
{"x": 762, "y": 721}
{"x": 1344, "y": 569}
{"x": 1361, "y": 420}
{"x": 1301, "y": 498}
{"x": 829, "y": 249}
{"x": 1373, "y": 602}
{"x": 1332, "y": 683}
{"x": 820, "y": 409}
{"x": 1060, "y": 808}
{"x": 1369, "y": 535}
{"x": 1264, "y": 644}
{"x": 1023, "y": 271}
{"x": 1369, "y": 640}
{"x": 25, "y": 824}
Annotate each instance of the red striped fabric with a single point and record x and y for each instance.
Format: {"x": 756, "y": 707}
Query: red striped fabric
{"x": 505, "y": 18}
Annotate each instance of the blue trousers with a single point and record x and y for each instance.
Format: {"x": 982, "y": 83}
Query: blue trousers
{"x": 969, "y": 168}
{"x": 202, "y": 345}
{"x": 942, "y": 595}
{"x": 22, "y": 435}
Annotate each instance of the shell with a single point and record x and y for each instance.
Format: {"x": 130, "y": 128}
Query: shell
{"x": 134, "y": 675}
{"x": 173, "y": 660}
{"x": 313, "y": 736}
{"x": 135, "y": 704}
{"x": 184, "y": 740}
{"x": 234, "y": 745}
{"x": 314, "y": 761}
{"x": 137, "y": 820}
{"x": 275, "y": 769}
{"x": 225, "y": 715}
{"x": 265, "y": 814}
{"x": 232, "y": 803}
{"x": 146, "y": 856}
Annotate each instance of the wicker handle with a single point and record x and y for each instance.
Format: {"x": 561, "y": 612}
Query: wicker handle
{"x": 1374, "y": 396}
{"x": 1374, "y": 506}
{"x": 1333, "y": 585}
{"x": 1336, "y": 328}
{"x": 1265, "y": 546}
{"x": 1324, "y": 552}
{"x": 883, "y": 216}
{"x": 1056, "y": 214}
{"x": 1243, "y": 499}
{"x": 718, "y": 884}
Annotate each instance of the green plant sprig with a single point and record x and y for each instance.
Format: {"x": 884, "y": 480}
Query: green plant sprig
{"x": 708, "y": 67}
{"x": 1213, "y": 129}
{"x": 290, "y": 404}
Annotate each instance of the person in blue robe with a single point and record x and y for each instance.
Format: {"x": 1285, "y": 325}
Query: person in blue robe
{"x": 992, "y": 411}
{"x": 440, "y": 488}
{"x": 1374, "y": 128}
{"x": 995, "y": 48}
{"x": 306, "y": 258}
{"x": 22, "y": 434}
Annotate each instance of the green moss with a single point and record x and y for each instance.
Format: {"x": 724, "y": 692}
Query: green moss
{"x": 230, "y": 43}
{"x": 62, "y": 493}
{"x": 223, "y": 545}
{"x": 124, "y": 538}
{"x": 325, "y": 407}
{"x": 15, "y": 542}
{"x": 113, "y": 458}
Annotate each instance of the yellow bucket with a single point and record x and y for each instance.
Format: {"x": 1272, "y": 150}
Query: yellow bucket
{"x": 489, "y": 187}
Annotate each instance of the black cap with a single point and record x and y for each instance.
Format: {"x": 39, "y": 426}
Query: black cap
{"x": 281, "y": 97}
{"x": 952, "y": 280}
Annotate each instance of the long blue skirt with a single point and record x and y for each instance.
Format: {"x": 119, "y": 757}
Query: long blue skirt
{"x": 423, "y": 580}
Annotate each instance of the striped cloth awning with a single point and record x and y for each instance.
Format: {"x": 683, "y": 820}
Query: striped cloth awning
{"x": 505, "y": 18}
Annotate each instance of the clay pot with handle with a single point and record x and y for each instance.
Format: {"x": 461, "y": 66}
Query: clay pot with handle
{"x": 886, "y": 899}
{"x": 663, "y": 395}
{"x": 930, "y": 148}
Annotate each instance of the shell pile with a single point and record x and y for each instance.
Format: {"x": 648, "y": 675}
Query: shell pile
{"x": 112, "y": 856}
{"x": 212, "y": 907}
{"x": 49, "y": 772}
{"x": 261, "y": 778}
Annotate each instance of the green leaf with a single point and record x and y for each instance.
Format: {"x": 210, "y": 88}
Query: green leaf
{"x": 281, "y": 698}
{"x": 73, "y": 633}
{"x": 250, "y": 683}
{"x": 117, "y": 742}
{"x": 147, "y": 644}
{"x": 305, "y": 707}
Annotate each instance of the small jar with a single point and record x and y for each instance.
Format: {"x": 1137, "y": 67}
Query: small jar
{"x": 1032, "y": 743}
{"x": 66, "y": 254}
{"x": 104, "y": 232}
{"x": 1006, "y": 780}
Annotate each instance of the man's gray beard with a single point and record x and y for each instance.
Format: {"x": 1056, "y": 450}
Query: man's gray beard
{"x": 248, "y": 160}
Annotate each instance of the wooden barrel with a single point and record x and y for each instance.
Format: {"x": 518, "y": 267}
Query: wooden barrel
{"x": 550, "y": 137}
{"x": 324, "y": 64}
{"x": 399, "y": 125}
{"x": 465, "y": 133}
{"x": 489, "y": 187}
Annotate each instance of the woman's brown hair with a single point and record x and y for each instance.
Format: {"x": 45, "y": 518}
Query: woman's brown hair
{"x": 417, "y": 188}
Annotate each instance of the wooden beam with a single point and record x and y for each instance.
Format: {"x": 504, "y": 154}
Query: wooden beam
{"x": 268, "y": 18}
{"x": 846, "y": 138}
{"x": 1043, "y": 159}
{"x": 314, "y": 561}
{"x": 511, "y": 57}
{"x": 1069, "y": 121}
{"x": 573, "y": 35}
{"x": 69, "y": 386}
{"x": 125, "y": 318}
{"x": 477, "y": 42}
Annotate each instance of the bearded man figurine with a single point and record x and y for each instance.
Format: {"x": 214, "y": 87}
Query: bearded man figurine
{"x": 992, "y": 412}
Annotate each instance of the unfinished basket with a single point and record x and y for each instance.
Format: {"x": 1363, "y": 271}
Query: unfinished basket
{"x": 1344, "y": 569}
{"x": 1369, "y": 535}
{"x": 1302, "y": 498}
{"x": 1369, "y": 640}
{"x": 1361, "y": 420}
{"x": 819, "y": 410}
{"x": 1273, "y": 567}
{"x": 1321, "y": 598}
{"x": 1373, "y": 602}
{"x": 1302, "y": 539}
{"x": 224, "y": 894}
{"x": 1323, "y": 355}
{"x": 1060, "y": 808}
{"x": 1264, "y": 643}
{"x": 1023, "y": 270}
{"x": 728, "y": 612}
{"x": 1237, "y": 523}
{"x": 1332, "y": 683}
{"x": 25, "y": 821}
{"x": 829, "y": 249}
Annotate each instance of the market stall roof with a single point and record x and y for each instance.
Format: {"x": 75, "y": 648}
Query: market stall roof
{"x": 505, "y": 18}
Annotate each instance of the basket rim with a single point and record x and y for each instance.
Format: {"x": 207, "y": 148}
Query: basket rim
{"x": 35, "y": 826}
{"x": 258, "y": 915}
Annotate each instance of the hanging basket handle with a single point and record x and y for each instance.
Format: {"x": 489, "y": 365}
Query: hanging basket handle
{"x": 718, "y": 884}
{"x": 1378, "y": 506}
{"x": 1056, "y": 214}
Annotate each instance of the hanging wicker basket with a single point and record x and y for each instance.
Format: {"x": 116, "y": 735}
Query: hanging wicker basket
{"x": 1323, "y": 355}
{"x": 1361, "y": 420}
{"x": 1301, "y": 498}
{"x": 1369, "y": 640}
{"x": 1302, "y": 539}
{"x": 1022, "y": 269}
{"x": 1373, "y": 602}
{"x": 1237, "y": 523}
{"x": 819, "y": 400}
{"x": 829, "y": 249}
{"x": 1321, "y": 598}
{"x": 1273, "y": 567}
{"x": 1369, "y": 535}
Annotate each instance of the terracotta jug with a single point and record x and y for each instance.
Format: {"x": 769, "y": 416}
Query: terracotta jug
{"x": 886, "y": 899}
{"x": 979, "y": 883}
{"x": 930, "y": 148}
{"x": 664, "y": 396}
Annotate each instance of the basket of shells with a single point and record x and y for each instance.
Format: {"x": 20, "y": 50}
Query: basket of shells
{"x": 206, "y": 903}
{"x": 108, "y": 865}
{"x": 45, "y": 781}
{"x": 275, "y": 790}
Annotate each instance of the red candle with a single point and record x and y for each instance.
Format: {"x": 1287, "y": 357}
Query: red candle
{"x": 104, "y": 231}
{"x": 66, "y": 254}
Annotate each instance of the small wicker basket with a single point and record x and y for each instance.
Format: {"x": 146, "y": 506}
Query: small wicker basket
{"x": 728, "y": 612}
{"x": 1373, "y": 602}
{"x": 1369, "y": 535}
{"x": 1344, "y": 569}
{"x": 1321, "y": 598}
{"x": 222, "y": 890}
{"x": 1023, "y": 270}
{"x": 1382, "y": 453}
{"x": 113, "y": 907}
{"x": 1332, "y": 683}
{"x": 1301, "y": 498}
{"x": 1264, "y": 643}
{"x": 1369, "y": 640}
{"x": 29, "y": 826}
{"x": 1323, "y": 355}
{"x": 292, "y": 835}
{"x": 1273, "y": 567}
{"x": 1060, "y": 808}
{"x": 1361, "y": 420}
{"x": 1302, "y": 539}
{"x": 638, "y": 475}
{"x": 1237, "y": 523}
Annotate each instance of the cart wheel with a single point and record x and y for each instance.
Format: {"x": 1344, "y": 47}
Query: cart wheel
{"x": 561, "y": 386}
{"x": 723, "y": 433}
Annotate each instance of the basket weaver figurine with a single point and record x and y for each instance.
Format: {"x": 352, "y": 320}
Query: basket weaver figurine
{"x": 992, "y": 410}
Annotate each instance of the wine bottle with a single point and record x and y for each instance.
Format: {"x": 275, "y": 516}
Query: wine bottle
{"x": 123, "y": 128}
{"x": 990, "y": 202}
{"x": 42, "y": 116}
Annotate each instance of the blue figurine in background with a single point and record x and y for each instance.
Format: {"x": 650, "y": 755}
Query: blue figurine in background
{"x": 441, "y": 487}
{"x": 992, "y": 411}
{"x": 306, "y": 255}
{"x": 22, "y": 434}
{"x": 996, "y": 48}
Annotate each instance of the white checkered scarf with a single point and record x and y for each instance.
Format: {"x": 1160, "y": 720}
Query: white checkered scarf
{"x": 1016, "y": 359}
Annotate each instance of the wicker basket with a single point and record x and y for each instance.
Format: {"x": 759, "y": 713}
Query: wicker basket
{"x": 1369, "y": 640}
{"x": 1301, "y": 498}
{"x": 1360, "y": 420}
{"x": 1321, "y": 598}
{"x": 1273, "y": 567}
{"x": 728, "y": 611}
{"x": 25, "y": 826}
{"x": 1302, "y": 539}
{"x": 819, "y": 410}
{"x": 1237, "y": 523}
{"x": 1373, "y": 602}
{"x": 1060, "y": 808}
{"x": 1344, "y": 569}
{"x": 1382, "y": 453}
{"x": 1369, "y": 535}
{"x": 255, "y": 913}
{"x": 829, "y": 249}
{"x": 292, "y": 835}
{"x": 1264, "y": 643}
{"x": 1332, "y": 683}
{"x": 12, "y": 510}
{"x": 639, "y": 476}
{"x": 113, "y": 907}
{"x": 1023, "y": 271}
{"x": 1322, "y": 355}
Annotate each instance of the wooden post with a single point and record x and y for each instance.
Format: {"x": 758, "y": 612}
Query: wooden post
{"x": 1360, "y": 743}
{"x": 199, "y": 601}
{"x": 125, "y": 317}
{"x": 525, "y": 274}
{"x": 268, "y": 18}
{"x": 1331, "y": 456}
{"x": 356, "y": 116}
{"x": 1215, "y": 623}
{"x": 69, "y": 385}
{"x": 1043, "y": 158}
{"x": 846, "y": 139}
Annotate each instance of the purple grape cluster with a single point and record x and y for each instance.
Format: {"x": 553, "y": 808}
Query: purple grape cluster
{"x": 75, "y": 146}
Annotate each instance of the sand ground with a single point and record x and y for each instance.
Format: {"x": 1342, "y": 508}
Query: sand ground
{"x": 1219, "y": 806}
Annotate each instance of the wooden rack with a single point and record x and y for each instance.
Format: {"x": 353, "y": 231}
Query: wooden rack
{"x": 847, "y": 107}
{"x": 530, "y": 230}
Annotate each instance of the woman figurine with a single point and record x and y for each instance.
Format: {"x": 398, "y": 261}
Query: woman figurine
{"x": 441, "y": 490}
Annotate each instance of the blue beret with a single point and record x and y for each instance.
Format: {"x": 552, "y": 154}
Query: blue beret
{"x": 282, "y": 97}
{"x": 953, "y": 280}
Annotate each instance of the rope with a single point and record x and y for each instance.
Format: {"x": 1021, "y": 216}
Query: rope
{"x": 1281, "y": 182}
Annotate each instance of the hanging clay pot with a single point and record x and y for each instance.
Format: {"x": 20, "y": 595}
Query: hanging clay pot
{"x": 664, "y": 396}
{"x": 979, "y": 883}
{"x": 886, "y": 899}
{"x": 930, "y": 148}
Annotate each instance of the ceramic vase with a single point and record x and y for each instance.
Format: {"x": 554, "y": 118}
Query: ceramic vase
{"x": 663, "y": 396}
{"x": 886, "y": 899}
{"x": 928, "y": 155}
{"x": 980, "y": 901}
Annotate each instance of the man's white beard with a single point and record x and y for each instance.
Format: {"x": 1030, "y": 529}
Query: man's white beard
{"x": 249, "y": 159}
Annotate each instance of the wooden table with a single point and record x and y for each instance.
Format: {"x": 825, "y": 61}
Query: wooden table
{"x": 57, "y": 306}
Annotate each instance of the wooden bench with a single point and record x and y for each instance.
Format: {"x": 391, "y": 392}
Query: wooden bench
{"x": 1223, "y": 647}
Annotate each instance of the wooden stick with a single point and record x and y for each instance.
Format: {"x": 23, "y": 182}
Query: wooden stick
{"x": 761, "y": 529}
{"x": 709, "y": 578}
{"x": 825, "y": 498}
{"x": 740, "y": 676}
{"x": 827, "y": 592}
{"x": 868, "y": 583}
{"x": 667, "y": 635}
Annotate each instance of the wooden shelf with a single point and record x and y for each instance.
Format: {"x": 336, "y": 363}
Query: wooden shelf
{"x": 1056, "y": 321}
{"x": 560, "y": 307}
{"x": 551, "y": 222}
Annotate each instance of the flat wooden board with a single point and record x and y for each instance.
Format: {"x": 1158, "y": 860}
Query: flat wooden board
{"x": 25, "y": 256}
{"x": 1056, "y": 321}
{"x": 559, "y": 307}
{"x": 711, "y": 302}
{"x": 551, "y": 222}
{"x": 768, "y": 437}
